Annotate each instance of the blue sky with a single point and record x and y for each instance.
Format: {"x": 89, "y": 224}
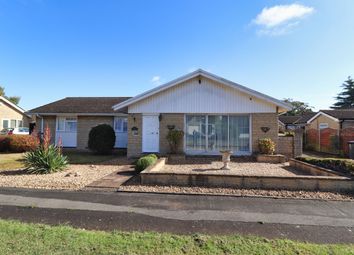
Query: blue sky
{"x": 50, "y": 49}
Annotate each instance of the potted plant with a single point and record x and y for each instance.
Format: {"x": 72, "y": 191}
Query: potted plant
{"x": 266, "y": 154}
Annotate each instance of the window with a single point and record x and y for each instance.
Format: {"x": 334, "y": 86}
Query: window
{"x": 13, "y": 124}
{"x": 323, "y": 125}
{"x": 120, "y": 124}
{"x": 19, "y": 123}
{"x": 67, "y": 124}
{"x": 212, "y": 133}
{"x": 5, "y": 123}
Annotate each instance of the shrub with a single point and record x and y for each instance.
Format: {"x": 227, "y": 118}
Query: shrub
{"x": 102, "y": 139}
{"x": 152, "y": 155}
{"x": 47, "y": 158}
{"x": 345, "y": 166}
{"x": 266, "y": 146}
{"x": 145, "y": 162}
{"x": 18, "y": 143}
{"x": 174, "y": 138}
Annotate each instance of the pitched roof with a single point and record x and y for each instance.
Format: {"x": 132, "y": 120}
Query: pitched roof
{"x": 289, "y": 119}
{"x": 304, "y": 118}
{"x": 83, "y": 105}
{"x": 340, "y": 114}
{"x": 16, "y": 107}
{"x": 206, "y": 74}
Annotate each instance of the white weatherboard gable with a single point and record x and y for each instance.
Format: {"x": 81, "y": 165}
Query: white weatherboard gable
{"x": 203, "y": 74}
{"x": 208, "y": 96}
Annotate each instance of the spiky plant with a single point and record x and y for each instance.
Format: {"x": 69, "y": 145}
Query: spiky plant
{"x": 47, "y": 158}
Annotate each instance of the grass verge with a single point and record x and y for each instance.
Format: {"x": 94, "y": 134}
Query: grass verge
{"x": 22, "y": 238}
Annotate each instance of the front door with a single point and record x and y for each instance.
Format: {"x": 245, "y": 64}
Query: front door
{"x": 151, "y": 133}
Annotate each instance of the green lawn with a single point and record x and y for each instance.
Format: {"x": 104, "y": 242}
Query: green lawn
{"x": 21, "y": 238}
{"x": 87, "y": 157}
{"x": 13, "y": 161}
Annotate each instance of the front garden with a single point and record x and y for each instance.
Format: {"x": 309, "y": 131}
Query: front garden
{"x": 40, "y": 164}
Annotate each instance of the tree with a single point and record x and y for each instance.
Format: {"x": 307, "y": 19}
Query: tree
{"x": 345, "y": 99}
{"x": 13, "y": 99}
{"x": 299, "y": 108}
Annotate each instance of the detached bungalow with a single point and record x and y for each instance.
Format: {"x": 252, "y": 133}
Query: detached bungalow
{"x": 213, "y": 112}
{"x": 11, "y": 115}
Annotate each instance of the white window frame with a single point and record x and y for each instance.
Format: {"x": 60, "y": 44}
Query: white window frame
{"x": 66, "y": 120}
{"x": 8, "y": 123}
{"x": 121, "y": 128}
{"x": 15, "y": 123}
{"x": 18, "y": 123}
{"x": 323, "y": 125}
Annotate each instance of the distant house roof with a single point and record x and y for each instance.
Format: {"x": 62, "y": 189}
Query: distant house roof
{"x": 304, "y": 118}
{"x": 8, "y": 102}
{"x": 297, "y": 119}
{"x": 336, "y": 115}
{"x": 340, "y": 114}
{"x": 288, "y": 119}
{"x": 82, "y": 105}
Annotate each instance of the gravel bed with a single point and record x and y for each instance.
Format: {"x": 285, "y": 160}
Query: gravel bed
{"x": 75, "y": 177}
{"x": 239, "y": 192}
{"x": 236, "y": 168}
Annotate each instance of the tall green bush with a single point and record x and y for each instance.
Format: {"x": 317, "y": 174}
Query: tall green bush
{"x": 102, "y": 139}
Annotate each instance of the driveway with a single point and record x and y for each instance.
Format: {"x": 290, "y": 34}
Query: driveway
{"x": 307, "y": 220}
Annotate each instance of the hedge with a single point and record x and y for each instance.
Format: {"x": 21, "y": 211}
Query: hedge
{"x": 18, "y": 143}
{"x": 345, "y": 166}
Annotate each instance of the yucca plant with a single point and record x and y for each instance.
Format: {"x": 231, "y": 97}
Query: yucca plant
{"x": 47, "y": 158}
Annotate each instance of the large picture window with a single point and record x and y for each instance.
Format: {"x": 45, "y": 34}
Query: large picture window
{"x": 212, "y": 133}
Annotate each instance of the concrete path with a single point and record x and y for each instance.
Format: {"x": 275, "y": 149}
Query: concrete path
{"x": 165, "y": 212}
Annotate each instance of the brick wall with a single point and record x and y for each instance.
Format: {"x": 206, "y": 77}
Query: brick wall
{"x": 176, "y": 119}
{"x": 134, "y": 141}
{"x": 286, "y": 146}
{"x": 84, "y": 125}
{"x": 260, "y": 120}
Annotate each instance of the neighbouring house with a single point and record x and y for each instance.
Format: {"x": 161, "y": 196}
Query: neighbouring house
{"x": 11, "y": 115}
{"x": 330, "y": 130}
{"x": 71, "y": 119}
{"x": 213, "y": 112}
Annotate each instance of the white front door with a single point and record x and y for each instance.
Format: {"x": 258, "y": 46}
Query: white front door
{"x": 151, "y": 133}
{"x": 121, "y": 130}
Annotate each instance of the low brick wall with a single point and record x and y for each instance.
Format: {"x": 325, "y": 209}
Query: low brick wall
{"x": 270, "y": 158}
{"x": 312, "y": 183}
{"x": 312, "y": 169}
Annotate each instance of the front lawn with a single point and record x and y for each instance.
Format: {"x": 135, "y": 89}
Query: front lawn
{"x": 11, "y": 161}
{"x": 21, "y": 238}
{"x": 88, "y": 157}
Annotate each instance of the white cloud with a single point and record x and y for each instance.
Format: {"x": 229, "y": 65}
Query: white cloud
{"x": 280, "y": 19}
{"x": 156, "y": 80}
